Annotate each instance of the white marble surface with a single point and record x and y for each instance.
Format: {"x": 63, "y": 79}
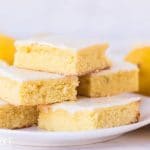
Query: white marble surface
{"x": 136, "y": 140}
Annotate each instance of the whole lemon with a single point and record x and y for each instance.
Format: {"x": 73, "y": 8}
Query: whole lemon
{"x": 7, "y": 49}
{"x": 141, "y": 57}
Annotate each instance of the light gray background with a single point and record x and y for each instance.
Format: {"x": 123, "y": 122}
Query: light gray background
{"x": 117, "y": 19}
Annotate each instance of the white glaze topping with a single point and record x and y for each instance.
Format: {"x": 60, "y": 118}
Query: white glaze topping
{"x": 117, "y": 66}
{"x": 84, "y": 103}
{"x": 23, "y": 74}
{"x": 62, "y": 42}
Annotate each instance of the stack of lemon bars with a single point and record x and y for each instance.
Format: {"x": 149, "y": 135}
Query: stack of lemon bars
{"x": 60, "y": 85}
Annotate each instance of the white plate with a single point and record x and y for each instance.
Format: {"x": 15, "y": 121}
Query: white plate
{"x": 36, "y": 137}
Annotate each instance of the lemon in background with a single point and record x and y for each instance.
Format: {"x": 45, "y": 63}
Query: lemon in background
{"x": 7, "y": 49}
{"x": 141, "y": 57}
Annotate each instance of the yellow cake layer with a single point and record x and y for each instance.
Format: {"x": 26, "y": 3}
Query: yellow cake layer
{"x": 90, "y": 114}
{"x": 13, "y": 117}
{"x": 121, "y": 77}
{"x": 61, "y": 57}
{"x": 25, "y": 87}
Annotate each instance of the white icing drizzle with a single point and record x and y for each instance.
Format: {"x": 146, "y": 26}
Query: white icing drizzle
{"x": 23, "y": 74}
{"x": 62, "y": 42}
{"x": 84, "y": 103}
{"x": 117, "y": 66}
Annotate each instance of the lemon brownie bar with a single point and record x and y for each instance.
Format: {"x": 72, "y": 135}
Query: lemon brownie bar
{"x": 57, "y": 54}
{"x": 13, "y": 117}
{"x": 121, "y": 77}
{"x": 89, "y": 114}
{"x": 26, "y": 87}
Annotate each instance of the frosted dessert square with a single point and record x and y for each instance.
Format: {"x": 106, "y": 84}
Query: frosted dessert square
{"x": 120, "y": 78}
{"x": 61, "y": 55}
{"x": 90, "y": 113}
{"x": 27, "y": 87}
{"x": 14, "y": 117}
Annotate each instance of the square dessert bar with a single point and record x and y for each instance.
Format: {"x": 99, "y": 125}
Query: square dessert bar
{"x": 59, "y": 55}
{"x": 14, "y": 117}
{"x": 90, "y": 113}
{"x": 27, "y": 87}
{"x": 121, "y": 77}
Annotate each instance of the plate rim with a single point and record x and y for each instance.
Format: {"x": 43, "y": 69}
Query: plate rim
{"x": 120, "y": 129}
